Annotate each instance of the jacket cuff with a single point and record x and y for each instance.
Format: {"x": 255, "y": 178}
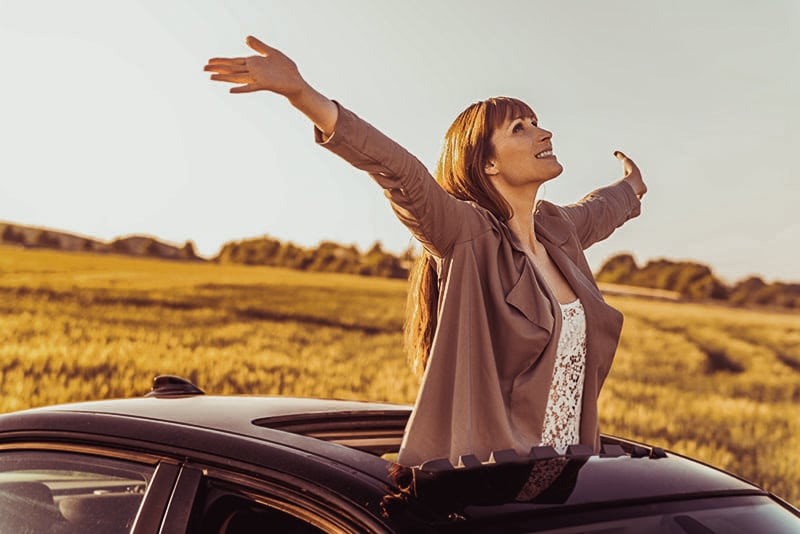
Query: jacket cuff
{"x": 319, "y": 135}
{"x": 632, "y": 200}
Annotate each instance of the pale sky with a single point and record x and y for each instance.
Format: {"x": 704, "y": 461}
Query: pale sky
{"x": 109, "y": 126}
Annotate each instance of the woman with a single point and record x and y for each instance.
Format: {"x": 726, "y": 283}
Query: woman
{"x": 504, "y": 315}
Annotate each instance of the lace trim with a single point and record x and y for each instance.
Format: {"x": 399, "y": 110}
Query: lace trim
{"x": 541, "y": 477}
{"x": 563, "y": 412}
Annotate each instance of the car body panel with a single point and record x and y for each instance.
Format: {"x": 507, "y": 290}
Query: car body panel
{"x": 295, "y": 449}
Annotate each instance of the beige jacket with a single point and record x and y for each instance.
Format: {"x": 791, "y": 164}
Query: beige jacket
{"x": 491, "y": 363}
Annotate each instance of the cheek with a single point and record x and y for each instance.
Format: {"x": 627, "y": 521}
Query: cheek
{"x": 521, "y": 155}
{"x": 511, "y": 154}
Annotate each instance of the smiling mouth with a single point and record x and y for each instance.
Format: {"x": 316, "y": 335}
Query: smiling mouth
{"x": 544, "y": 154}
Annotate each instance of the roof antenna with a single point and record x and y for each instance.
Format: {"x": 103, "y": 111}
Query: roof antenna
{"x": 173, "y": 386}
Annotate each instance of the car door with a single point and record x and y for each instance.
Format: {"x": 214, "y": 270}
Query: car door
{"x": 213, "y": 500}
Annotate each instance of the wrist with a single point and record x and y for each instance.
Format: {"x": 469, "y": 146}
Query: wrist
{"x": 299, "y": 96}
{"x": 635, "y": 186}
{"x": 317, "y": 107}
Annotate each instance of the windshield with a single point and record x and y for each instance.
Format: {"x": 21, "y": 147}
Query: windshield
{"x": 719, "y": 515}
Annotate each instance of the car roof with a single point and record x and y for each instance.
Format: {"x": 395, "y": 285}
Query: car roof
{"x": 624, "y": 472}
{"x": 240, "y": 414}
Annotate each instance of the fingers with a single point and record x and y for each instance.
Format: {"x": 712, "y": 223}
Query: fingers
{"x": 232, "y": 70}
{"x": 258, "y": 46}
{"x": 224, "y": 68}
{"x": 227, "y": 61}
{"x": 238, "y": 77}
{"x": 271, "y": 70}
{"x": 249, "y": 88}
{"x": 224, "y": 65}
{"x": 627, "y": 162}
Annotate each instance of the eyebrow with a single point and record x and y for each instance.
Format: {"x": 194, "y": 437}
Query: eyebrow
{"x": 522, "y": 118}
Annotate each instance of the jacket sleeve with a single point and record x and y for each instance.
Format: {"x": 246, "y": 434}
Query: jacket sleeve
{"x": 602, "y": 211}
{"x": 436, "y": 218}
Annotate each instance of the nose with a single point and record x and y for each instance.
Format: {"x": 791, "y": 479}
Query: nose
{"x": 542, "y": 134}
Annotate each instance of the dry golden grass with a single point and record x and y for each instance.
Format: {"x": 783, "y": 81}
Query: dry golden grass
{"x": 711, "y": 382}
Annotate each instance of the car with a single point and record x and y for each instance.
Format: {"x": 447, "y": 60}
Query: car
{"x": 177, "y": 460}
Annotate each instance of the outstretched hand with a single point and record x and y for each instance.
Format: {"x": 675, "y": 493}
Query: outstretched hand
{"x": 271, "y": 70}
{"x": 632, "y": 174}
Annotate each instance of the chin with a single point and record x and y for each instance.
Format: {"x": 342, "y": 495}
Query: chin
{"x": 557, "y": 171}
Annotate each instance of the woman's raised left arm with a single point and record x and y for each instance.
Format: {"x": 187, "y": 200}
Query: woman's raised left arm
{"x": 600, "y": 212}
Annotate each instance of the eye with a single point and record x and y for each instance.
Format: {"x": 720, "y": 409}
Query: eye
{"x": 517, "y": 128}
{"x": 535, "y": 124}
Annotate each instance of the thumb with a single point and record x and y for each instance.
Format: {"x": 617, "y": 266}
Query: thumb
{"x": 628, "y": 166}
{"x": 258, "y": 46}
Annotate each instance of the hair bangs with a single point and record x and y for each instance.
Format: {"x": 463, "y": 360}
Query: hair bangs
{"x": 504, "y": 108}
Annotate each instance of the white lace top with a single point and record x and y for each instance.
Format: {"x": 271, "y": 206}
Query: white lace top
{"x": 562, "y": 417}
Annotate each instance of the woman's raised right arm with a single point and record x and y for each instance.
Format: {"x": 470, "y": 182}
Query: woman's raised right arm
{"x": 435, "y": 218}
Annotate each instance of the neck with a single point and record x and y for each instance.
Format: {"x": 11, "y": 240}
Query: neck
{"x": 521, "y": 222}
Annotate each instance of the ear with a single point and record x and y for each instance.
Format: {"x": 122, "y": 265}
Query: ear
{"x": 490, "y": 168}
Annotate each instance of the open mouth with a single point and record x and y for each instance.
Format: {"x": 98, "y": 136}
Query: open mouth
{"x": 544, "y": 154}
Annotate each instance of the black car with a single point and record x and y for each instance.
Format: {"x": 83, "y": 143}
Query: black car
{"x": 179, "y": 461}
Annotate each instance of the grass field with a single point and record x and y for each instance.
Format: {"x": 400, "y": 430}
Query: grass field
{"x": 715, "y": 383}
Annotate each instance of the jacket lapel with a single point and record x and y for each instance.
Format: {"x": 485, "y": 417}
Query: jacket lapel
{"x": 554, "y": 233}
{"x": 532, "y": 299}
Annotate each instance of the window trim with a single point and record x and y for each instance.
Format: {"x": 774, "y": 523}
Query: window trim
{"x": 318, "y": 506}
{"x": 154, "y": 502}
{"x": 326, "y": 509}
{"x": 106, "y": 452}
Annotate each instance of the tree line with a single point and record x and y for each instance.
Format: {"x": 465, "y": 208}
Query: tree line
{"x": 326, "y": 257}
{"x": 31, "y": 237}
{"x": 695, "y": 281}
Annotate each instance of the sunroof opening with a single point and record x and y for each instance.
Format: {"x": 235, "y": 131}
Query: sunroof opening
{"x": 378, "y": 432}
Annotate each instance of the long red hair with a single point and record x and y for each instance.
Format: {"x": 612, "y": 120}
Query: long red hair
{"x": 466, "y": 150}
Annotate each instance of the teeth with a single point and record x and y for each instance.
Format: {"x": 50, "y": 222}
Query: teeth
{"x": 544, "y": 154}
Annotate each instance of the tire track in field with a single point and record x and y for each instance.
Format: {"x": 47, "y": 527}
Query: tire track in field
{"x": 226, "y": 311}
{"x": 280, "y": 317}
{"x": 717, "y": 359}
{"x": 790, "y": 361}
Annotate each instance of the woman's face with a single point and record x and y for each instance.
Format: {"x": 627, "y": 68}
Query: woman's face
{"x": 523, "y": 153}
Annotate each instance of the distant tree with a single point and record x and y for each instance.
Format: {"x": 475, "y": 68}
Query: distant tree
{"x": 328, "y": 256}
{"x": 376, "y": 262}
{"x": 666, "y": 275}
{"x": 767, "y": 295}
{"x": 692, "y": 280}
{"x": 47, "y": 240}
{"x": 12, "y": 234}
{"x": 617, "y": 269}
{"x": 743, "y": 293}
{"x": 719, "y": 291}
{"x": 153, "y": 248}
{"x": 188, "y": 251}
{"x": 291, "y": 256}
{"x": 120, "y": 246}
{"x": 333, "y": 257}
{"x": 699, "y": 287}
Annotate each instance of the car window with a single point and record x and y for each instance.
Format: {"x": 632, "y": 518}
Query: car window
{"x": 718, "y": 515}
{"x": 228, "y": 509}
{"x": 42, "y": 491}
